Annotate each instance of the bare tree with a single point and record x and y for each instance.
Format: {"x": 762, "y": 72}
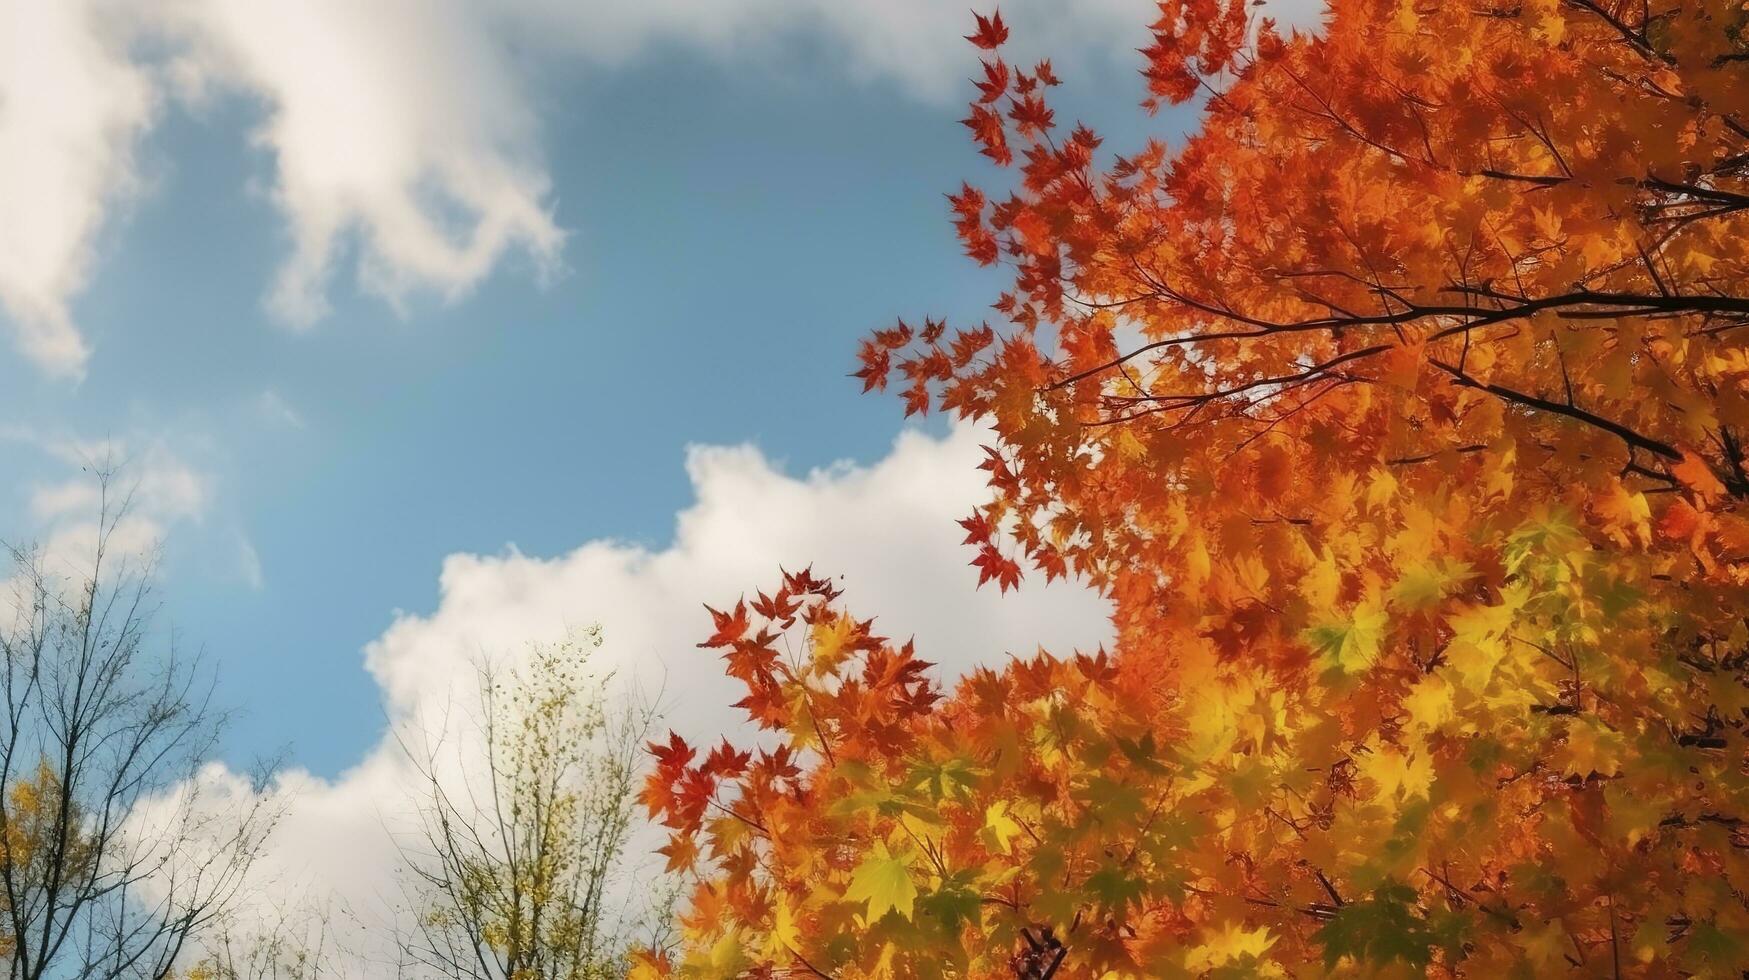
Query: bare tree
{"x": 289, "y": 944}
{"x": 110, "y": 860}
{"x": 524, "y": 840}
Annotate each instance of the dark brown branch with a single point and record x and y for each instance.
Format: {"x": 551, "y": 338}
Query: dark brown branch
{"x": 1627, "y": 435}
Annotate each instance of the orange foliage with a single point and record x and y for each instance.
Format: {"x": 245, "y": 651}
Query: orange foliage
{"x": 1400, "y": 411}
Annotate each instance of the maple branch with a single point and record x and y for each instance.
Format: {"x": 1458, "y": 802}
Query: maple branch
{"x": 1463, "y": 379}
{"x": 1731, "y": 448}
{"x": 811, "y": 968}
{"x": 1504, "y": 913}
{"x": 1713, "y": 194}
{"x": 1032, "y": 965}
{"x": 1141, "y": 834}
{"x": 749, "y": 821}
{"x": 1425, "y": 457}
{"x": 1316, "y": 910}
{"x": 1540, "y": 180}
{"x": 1329, "y": 889}
{"x": 1679, "y": 822}
{"x": 1635, "y": 39}
{"x": 1617, "y": 304}
{"x": 1577, "y": 304}
{"x": 1185, "y": 400}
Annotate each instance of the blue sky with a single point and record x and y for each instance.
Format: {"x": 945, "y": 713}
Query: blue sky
{"x": 733, "y": 227}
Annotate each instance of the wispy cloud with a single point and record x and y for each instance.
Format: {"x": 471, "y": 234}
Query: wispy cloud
{"x": 274, "y": 408}
{"x": 249, "y": 561}
{"x": 150, "y": 488}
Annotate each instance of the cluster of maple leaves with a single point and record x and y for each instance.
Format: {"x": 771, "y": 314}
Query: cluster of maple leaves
{"x": 1400, "y": 412}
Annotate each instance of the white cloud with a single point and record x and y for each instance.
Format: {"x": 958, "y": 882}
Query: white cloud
{"x": 55, "y": 500}
{"x": 249, "y": 562}
{"x": 71, "y": 107}
{"x": 151, "y": 478}
{"x": 402, "y": 133}
{"x": 917, "y": 45}
{"x": 152, "y": 488}
{"x": 273, "y": 407}
{"x": 887, "y": 529}
{"x": 396, "y": 126}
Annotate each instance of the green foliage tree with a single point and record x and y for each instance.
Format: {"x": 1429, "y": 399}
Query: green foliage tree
{"x": 524, "y": 846}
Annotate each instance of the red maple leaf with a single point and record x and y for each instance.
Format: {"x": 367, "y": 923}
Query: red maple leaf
{"x": 991, "y": 31}
{"x": 730, "y": 626}
{"x": 995, "y": 82}
{"x": 992, "y": 564}
{"x": 977, "y": 528}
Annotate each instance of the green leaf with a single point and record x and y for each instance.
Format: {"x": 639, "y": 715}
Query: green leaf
{"x": 951, "y": 778}
{"x": 883, "y": 880}
{"x": 1109, "y": 800}
{"x": 1143, "y": 753}
{"x": 1115, "y": 887}
{"x": 1426, "y": 581}
{"x": 1379, "y": 930}
{"x": 1350, "y": 645}
{"x": 1714, "y": 947}
{"x": 955, "y": 903}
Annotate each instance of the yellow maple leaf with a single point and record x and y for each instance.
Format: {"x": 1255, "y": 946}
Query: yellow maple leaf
{"x": 1000, "y": 829}
{"x": 786, "y": 933}
{"x": 1398, "y": 774}
{"x": 1429, "y": 702}
{"x": 1351, "y": 645}
{"x": 1592, "y": 748}
{"x": 1226, "y": 944}
{"x": 1545, "y": 945}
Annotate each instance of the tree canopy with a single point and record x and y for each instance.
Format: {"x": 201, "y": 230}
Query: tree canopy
{"x": 1400, "y": 412}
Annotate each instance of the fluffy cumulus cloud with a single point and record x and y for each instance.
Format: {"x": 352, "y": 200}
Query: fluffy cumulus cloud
{"x": 887, "y": 529}
{"x": 72, "y": 106}
{"x": 400, "y": 133}
{"x": 396, "y": 127}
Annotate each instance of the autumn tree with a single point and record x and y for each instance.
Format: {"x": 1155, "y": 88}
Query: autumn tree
{"x": 523, "y": 856}
{"x": 1400, "y": 411}
{"x": 292, "y": 942}
{"x": 110, "y": 862}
